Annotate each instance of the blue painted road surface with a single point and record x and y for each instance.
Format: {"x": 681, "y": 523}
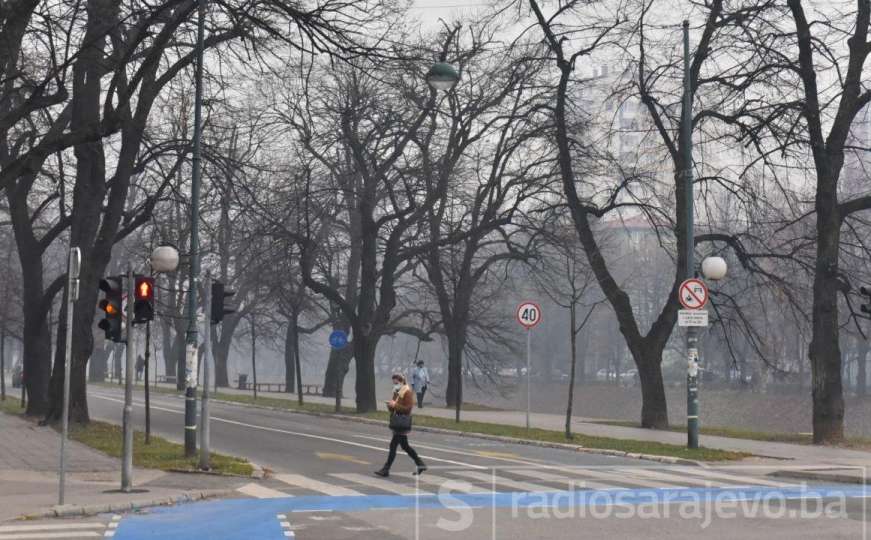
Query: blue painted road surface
{"x": 267, "y": 519}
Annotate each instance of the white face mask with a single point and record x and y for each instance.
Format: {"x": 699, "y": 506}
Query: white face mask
{"x": 396, "y": 387}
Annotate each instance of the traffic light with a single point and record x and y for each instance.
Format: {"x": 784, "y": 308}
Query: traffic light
{"x": 866, "y": 292}
{"x": 143, "y": 306}
{"x": 219, "y": 294}
{"x": 111, "y": 306}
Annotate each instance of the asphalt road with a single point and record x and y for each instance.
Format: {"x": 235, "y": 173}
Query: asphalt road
{"x": 322, "y": 487}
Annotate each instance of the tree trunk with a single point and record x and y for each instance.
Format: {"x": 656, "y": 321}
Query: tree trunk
{"x": 289, "y": 360}
{"x": 36, "y": 357}
{"x": 167, "y": 350}
{"x": 654, "y": 410}
{"x": 456, "y": 337}
{"x": 825, "y": 352}
{"x": 99, "y": 367}
{"x": 573, "y": 336}
{"x": 364, "y": 357}
{"x": 222, "y": 349}
{"x": 337, "y": 365}
{"x": 861, "y": 374}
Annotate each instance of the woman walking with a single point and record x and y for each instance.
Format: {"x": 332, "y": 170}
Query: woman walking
{"x": 400, "y": 423}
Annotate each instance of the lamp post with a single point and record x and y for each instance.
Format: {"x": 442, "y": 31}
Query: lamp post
{"x": 190, "y": 406}
{"x": 163, "y": 259}
{"x": 442, "y": 76}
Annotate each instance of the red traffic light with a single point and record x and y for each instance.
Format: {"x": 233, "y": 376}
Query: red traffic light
{"x": 145, "y": 288}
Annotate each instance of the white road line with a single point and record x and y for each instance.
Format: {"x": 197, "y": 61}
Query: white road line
{"x": 615, "y": 476}
{"x": 261, "y": 492}
{"x": 299, "y": 434}
{"x": 50, "y": 535}
{"x": 281, "y": 517}
{"x": 739, "y": 480}
{"x": 517, "y": 461}
{"x": 51, "y": 527}
{"x": 448, "y": 484}
{"x": 379, "y": 483}
{"x": 560, "y": 478}
{"x": 305, "y": 482}
{"x": 670, "y": 478}
{"x": 493, "y": 478}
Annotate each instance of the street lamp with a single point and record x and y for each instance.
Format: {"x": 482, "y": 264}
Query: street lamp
{"x": 164, "y": 258}
{"x": 442, "y": 76}
{"x": 714, "y": 268}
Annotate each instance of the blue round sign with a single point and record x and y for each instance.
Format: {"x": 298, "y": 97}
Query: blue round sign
{"x": 338, "y": 339}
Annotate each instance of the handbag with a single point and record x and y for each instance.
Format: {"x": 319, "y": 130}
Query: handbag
{"x": 400, "y": 422}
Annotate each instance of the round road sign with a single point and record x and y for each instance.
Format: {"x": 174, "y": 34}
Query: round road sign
{"x": 338, "y": 339}
{"x": 693, "y": 294}
{"x": 528, "y": 314}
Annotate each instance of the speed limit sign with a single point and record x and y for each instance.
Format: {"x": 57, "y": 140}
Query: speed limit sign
{"x": 528, "y": 314}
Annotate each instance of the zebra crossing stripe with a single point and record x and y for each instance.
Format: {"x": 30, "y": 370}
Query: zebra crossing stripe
{"x": 620, "y": 478}
{"x": 449, "y": 484}
{"x": 670, "y": 478}
{"x": 305, "y": 482}
{"x": 742, "y": 480}
{"x": 51, "y": 527}
{"x": 495, "y": 479}
{"x": 384, "y": 485}
{"x": 562, "y": 479}
{"x": 261, "y": 492}
{"x": 50, "y": 535}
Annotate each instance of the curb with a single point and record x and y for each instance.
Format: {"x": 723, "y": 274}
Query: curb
{"x": 543, "y": 444}
{"x": 69, "y": 510}
{"x": 820, "y": 475}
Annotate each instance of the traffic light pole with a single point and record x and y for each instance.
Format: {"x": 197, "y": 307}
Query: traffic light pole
{"x": 127, "y": 455}
{"x": 190, "y": 410}
{"x": 207, "y": 357}
{"x": 692, "y": 336}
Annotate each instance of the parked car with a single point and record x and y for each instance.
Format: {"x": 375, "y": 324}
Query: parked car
{"x": 629, "y": 377}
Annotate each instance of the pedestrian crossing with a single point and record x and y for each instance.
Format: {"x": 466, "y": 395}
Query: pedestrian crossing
{"x": 61, "y": 529}
{"x": 516, "y": 479}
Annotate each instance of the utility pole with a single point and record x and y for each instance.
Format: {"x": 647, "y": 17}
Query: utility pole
{"x": 207, "y": 355}
{"x": 190, "y": 410}
{"x": 692, "y": 336}
{"x": 73, "y": 265}
{"x": 127, "y": 454}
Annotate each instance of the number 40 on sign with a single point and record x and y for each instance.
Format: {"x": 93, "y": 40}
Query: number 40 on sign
{"x": 528, "y": 314}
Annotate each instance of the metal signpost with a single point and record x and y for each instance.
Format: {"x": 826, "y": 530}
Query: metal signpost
{"x": 338, "y": 340}
{"x": 207, "y": 355}
{"x": 73, "y": 268}
{"x": 693, "y": 295}
{"x": 528, "y": 315}
{"x": 127, "y": 421}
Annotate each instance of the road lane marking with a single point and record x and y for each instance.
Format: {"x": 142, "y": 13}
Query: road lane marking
{"x": 494, "y": 478}
{"x": 341, "y": 457}
{"x": 505, "y": 455}
{"x": 305, "y": 482}
{"x": 300, "y": 434}
{"x": 380, "y": 483}
{"x": 261, "y": 492}
{"x": 557, "y": 478}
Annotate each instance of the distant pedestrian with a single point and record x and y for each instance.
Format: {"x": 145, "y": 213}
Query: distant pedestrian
{"x": 400, "y": 408}
{"x": 140, "y": 367}
{"x": 420, "y": 381}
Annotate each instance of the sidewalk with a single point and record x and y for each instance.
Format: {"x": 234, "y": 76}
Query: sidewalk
{"x": 29, "y": 459}
{"x": 797, "y": 454}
